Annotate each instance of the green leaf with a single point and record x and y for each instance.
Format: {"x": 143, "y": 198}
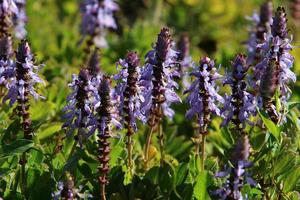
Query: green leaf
{"x": 49, "y": 131}
{"x": 12, "y": 130}
{"x": 291, "y": 105}
{"x": 166, "y": 178}
{"x": 152, "y": 175}
{"x": 273, "y": 128}
{"x": 292, "y": 180}
{"x": 202, "y": 182}
{"x": 277, "y": 101}
{"x": 285, "y": 163}
{"x": 17, "y": 147}
{"x": 294, "y": 195}
{"x": 181, "y": 173}
{"x": 115, "y": 154}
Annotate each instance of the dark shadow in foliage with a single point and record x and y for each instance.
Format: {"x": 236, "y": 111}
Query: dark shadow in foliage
{"x": 138, "y": 189}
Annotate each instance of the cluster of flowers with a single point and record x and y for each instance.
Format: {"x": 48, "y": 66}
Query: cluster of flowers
{"x": 146, "y": 93}
{"x": 97, "y": 17}
{"x": 17, "y": 73}
{"x": 271, "y": 62}
{"x": 12, "y": 16}
{"x": 20, "y": 78}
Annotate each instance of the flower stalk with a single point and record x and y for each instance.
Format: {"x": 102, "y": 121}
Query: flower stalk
{"x": 277, "y": 67}
{"x": 240, "y": 105}
{"x": 103, "y": 125}
{"x": 7, "y": 9}
{"x": 78, "y": 111}
{"x": 130, "y": 96}
{"x": 237, "y": 176}
{"x": 21, "y": 79}
{"x": 157, "y": 78}
{"x": 204, "y": 101}
{"x": 97, "y": 17}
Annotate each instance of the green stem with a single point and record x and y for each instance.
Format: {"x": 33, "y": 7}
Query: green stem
{"x": 147, "y": 146}
{"x": 161, "y": 143}
{"x": 129, "y": 150}
{"x": 203, "y": 152}
{"x": 102, "y": 192}
{"x": 23, "y": 175}
{"x": 72, "y": 150}
{"x": 197, "y": 146}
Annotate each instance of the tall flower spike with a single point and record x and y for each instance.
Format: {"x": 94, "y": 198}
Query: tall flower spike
{"x": 157, "y": 77}
{"x": 129, "y": 91}
{"x": 130, "y": 96}
{"x": 8, "y": 8}
{"x": 20, "y": 19}
{"x": 97, "y": 16}
{"x": 22, "y": 84}
{"x": 279, "y": 47}
{"x": 203, "y": 94}
{"x": 104, "y": 115}
{"x": 6, "y": 62}
{"x": 240, "y": 105}
{"x": 279, "y": 26}
{"x": 94, "y": 64}
{"x": 79, "y": 108}
{"x": 184, "y": 59}
{"x": 260, "y": 31}
{"x": 203, "y": 99}
{"x": 238, "y": 176}
{"x": 268, "y": 86}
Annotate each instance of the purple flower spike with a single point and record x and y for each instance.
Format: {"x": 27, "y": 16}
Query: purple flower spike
{"x": 6, "y": 62}
{"x": 279, "y": 26}
{"x": 97, "y": 16}
{"x": 184, "y": 51}
{"x": 261, "y": 29}
{"x": 104, "y": 118}
{"x": 94, "y": 64}
{"x": 240, "y": 105}
{"x": 24, "y": 76}
{"x": 238, "y": 176}
{"x": 20, "y": 19}
{"x": 281, "y": 49}
{"x": 103, "y": 94}
{"x": 184, "y": 59}
{"x": 157, "y": 77}
{"x": 278, "y": 51}
{"x": 21, "y": 86}
{"x": 268, "y": 86}
{"x": 79, "y": 108}
{"x": 129, "y": 91}
{"x": 203, "y": 93}
{"x": 7, "y": 9}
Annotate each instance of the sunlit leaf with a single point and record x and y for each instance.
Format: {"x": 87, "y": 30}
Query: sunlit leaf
{"x": 273, "y": 128}
{"x": 203, "y": 180}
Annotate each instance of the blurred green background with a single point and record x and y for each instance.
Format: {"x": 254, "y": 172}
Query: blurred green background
{"x": 217, "y": 28}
